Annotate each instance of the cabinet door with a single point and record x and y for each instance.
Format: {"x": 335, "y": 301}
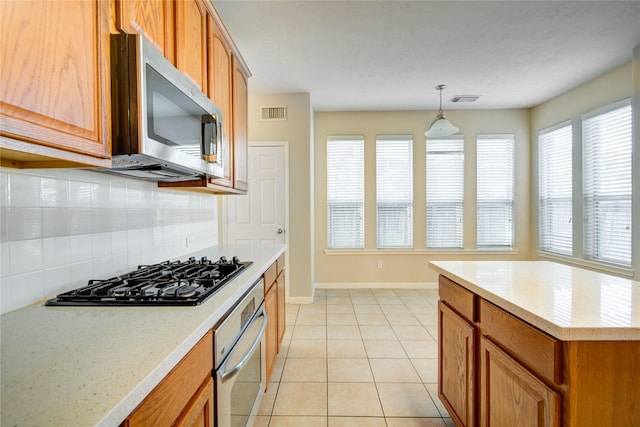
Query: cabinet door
{"x": 510, "y": 395}
{"x": 191, "y": 40}
{"x": 240, "y": 133}
{"x": 220, "y": 92}
{"x": 282, "y": 309}
{"x": 55, "y": 76}
{"x": 152, "y": 19}
{"x": 199, "y": 412}
{"x": 456, "y": 365}
{"x": 271, "y": 334}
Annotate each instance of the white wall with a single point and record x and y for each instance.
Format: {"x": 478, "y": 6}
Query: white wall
{"x": 61, "y": 227}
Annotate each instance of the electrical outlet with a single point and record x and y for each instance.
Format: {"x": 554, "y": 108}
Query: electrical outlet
{"x": 379, "y": 264}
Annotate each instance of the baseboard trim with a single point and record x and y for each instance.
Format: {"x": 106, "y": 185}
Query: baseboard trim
{"x": 369, "y": 285}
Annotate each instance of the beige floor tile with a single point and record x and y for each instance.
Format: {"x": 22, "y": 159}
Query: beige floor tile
{"x": 349, "y": 371}
{"x": 406, "y": 400}
{"x": 377, "y": 332}
{"x": 346, "y": 299}
{"x": 433, "y": 330}
{"x": 371, "y": 319}
{"x": 304, "y": 370}
{"x": 383, "y": 292}
{"x": 407, "y": 292}
{"x": 357, "y": 422}
{"x": 449, "y": 422}
{"x": 307, "y": 318}
{"x": 394, "y": 309}
{"x": 276, "y": 374}
{"x": 320, "y": 292}
{"x": 337, "y": 292}
{"x": 402, "y": 319}
{"x": 343, "y": 332}
{"x": 307, "y": 348}
{"x": 427, "y": 369}
{"x": 360, "y": 292}
{"x": 298, "y": 421}
{"x": 426, "y": 309}
{"x": 312, "y": 308}
{"x": 364, "y": 299}
{"x": 262, "y": 421}
{"x": 394, "y": 371}
{"x": 412, "y": 299}
{"x": 308, "y": 332}
{"x": 301, "y": 399}
{"x": 268, "y": 399}
{"x": 384, "y": 349}
{"x": 415, "y": 422}
{"x": 420, "y": 349}
{"x": 353, "y": 399}
{"x": 427, "y": 319}
{"x": 367, "y": 308}
{"x": 410, "y": 332}
{"x": 433, "y": 391}
{"x": 340, "y": 308}
{"x": 388, "y": 300}
{"x": 341, "y": 319}
{"x": 346, "y": 349}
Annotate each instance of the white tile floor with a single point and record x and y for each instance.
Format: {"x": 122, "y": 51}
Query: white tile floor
{"x": 356, "y": 358}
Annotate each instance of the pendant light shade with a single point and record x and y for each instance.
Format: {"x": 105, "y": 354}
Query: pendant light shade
{"x": 441, "y": 126}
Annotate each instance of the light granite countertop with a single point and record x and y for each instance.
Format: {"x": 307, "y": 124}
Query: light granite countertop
{"x": 86, "y": 366}
{"x": 569, "y": 303}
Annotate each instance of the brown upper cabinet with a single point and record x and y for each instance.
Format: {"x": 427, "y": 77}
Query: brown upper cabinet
{"x": 191, "y": 40}
{"x": 153, "y": 19}
{"x": 54, "y": 103}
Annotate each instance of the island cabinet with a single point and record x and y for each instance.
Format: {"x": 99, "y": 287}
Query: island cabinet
{"x": 55, "y": 97}
{"x": 185, "y": 396}
{"x": 275, "y": 307}
{"x": 496, "y": 369}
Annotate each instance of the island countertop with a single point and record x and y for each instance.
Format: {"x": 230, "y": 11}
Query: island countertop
{"x": 87, "y": 366}
{"x": 569, "y": 303}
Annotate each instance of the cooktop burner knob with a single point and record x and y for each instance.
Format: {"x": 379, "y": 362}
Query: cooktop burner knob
{"x": 223, "y": 260}
{"x": 204, "y": 260}
{"x": 236, "y": 260}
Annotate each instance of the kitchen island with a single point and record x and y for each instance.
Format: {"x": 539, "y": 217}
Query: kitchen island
{"x": 536, "y": 343}
{"x": 94, "y": 365}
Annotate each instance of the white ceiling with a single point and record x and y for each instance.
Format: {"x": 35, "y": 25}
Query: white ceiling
{"x": 390, "y": 55}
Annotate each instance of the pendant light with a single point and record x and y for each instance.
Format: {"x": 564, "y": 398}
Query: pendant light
{"x": 441, "y": 126}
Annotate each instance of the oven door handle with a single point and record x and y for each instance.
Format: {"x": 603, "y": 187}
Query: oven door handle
{"x": 226, "y": 375}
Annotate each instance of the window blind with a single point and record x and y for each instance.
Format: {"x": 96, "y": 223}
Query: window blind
{"x": 555, "y": 189}
{"x": 345, "y": 192}
{"x": 445, "y": 191}
{"x": 494, "y": 185}
{"x": 607, "y": 185}
{"x": 394, "y": 191}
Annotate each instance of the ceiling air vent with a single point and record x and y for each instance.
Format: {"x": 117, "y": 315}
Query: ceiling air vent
{"x": 465, "y": 98}
{"x": 278, "y": 112}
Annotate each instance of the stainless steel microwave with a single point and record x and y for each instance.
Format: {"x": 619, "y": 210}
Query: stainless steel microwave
{"x": 164, "y": 127}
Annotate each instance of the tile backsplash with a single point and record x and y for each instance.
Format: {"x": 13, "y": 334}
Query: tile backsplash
{"x": 61, "y": 227}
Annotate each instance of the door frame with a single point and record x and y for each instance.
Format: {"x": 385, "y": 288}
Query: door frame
{"x": 223, "y": 206}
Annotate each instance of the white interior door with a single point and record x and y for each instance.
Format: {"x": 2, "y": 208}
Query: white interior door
{"x": 258, "y": 217}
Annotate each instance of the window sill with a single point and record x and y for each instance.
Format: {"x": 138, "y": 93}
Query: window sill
{"x": 459, "y": 252}
{"x": 605, "y": 268}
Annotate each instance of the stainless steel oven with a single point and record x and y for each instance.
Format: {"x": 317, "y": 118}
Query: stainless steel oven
{"x": 239, "y": 360}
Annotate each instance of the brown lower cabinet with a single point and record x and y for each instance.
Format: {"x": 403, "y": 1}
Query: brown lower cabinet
{"x": 495, "y": 370}
{"x": 274, "y": 302}
{"x": 185, "y": 395}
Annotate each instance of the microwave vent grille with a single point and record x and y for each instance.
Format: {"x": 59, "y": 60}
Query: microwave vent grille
{"x": 278, "y": 112}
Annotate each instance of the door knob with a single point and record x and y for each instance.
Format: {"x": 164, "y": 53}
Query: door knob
{"x": 280, "y": 231}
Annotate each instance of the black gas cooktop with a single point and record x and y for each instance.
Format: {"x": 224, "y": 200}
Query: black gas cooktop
{"x": 168, "y": 283}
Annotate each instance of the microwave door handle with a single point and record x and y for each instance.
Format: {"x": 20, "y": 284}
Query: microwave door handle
{"x": 209, "y": 150}
{"x": 226, "y": 375}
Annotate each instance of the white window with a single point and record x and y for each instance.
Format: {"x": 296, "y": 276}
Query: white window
{"x": 394, "y": 191}
{"x": 607, "y": 184}
{"x": 495, "y": 191}
{"x": 555, "y": 147}
{"x": 345, "y": 192}
{"x": 445, "y": 191}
